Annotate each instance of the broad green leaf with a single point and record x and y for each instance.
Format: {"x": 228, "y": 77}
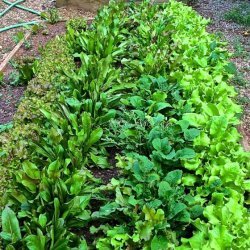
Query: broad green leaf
{"x": 53, "y": 169}
{"x": 10, "y": 247}
{"x": 86, "y": 123}
{"x": 189, "y": 180}
{"x": 184, "y": 124}
{"x": 10, "y": 224}
{"x": 202, "y": 140}
{"x": 83, "y": 245}
{"x": 173, "y": 177}
{"x": 196, "y": 211}
{"x": 107, "y": 117}
{"x": 231, "y": 68}
{"x": 106, "y": 210}
{"x": 175, "y": 209}
{"x": 159, "y": 243}
{"x": 153, "y": 215}
{"x": 136, "y": 101}
{"x": 160, "y": 106}
{"x": 210, "y": 109}
{"x": 95, "y": 136}
{"x": 220, "y": 237}
{"x": 100, "y": 161}
{"x": 219, "y": 125}
{"x": 165, "y": 190}
{"x": 159, "y": 96}
{"x": 6, "y": 236}
{"x": 145, "y": 164}
{"x": 35, "y": 242}
{"x": 73, "y": 102}
{"x": 77, "y": 180}
{"x": 31, "y": 170}
{"x": 197, "y": 241}
{"x": 42, "y": 220}
{"x": 186, "y": 153}
{"x": 161, "y": 145}
{"x": 30, "y": 185}
{"x": 144, "y": 230}
{"x": 191, "y": 134}
{"x": 196, "y": 120}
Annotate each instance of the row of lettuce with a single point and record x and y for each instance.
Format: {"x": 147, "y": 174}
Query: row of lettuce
{"x": 139, "y": 99}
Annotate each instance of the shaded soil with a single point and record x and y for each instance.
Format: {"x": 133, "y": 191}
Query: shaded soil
{"x": 107, "y": 174}
{"x": 9, "y": 99}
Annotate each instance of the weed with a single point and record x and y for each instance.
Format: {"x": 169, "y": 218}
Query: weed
{"x": 239, "y": 50}
{"x": 19, "y": 36}
{"x": 76, "y": 24}
{"x": 239, "y": 14}
{"x": 27, "y": 45}
{"x": 14, "y": 78}
{"x": 52, "y": 15}
{"x": 243, "y": 100}
{"x": 1, "y": 78}
{"x": 5, "y": 127}
{"x": 24, "y": 71}
{"x": 239, "y": 79}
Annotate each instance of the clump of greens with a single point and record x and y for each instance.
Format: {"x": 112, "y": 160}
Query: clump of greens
{"x": 148, "y": 102}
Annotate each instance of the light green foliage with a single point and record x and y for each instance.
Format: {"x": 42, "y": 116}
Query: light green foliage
{"x": 151, "y": 85}
{"x": 76, "y": 24}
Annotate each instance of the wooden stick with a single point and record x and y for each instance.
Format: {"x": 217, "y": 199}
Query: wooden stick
{"x": 17, "y": 47}
{"x": 13, "y": 52}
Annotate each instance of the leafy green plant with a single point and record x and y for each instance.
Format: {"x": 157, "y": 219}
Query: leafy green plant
{"x": 51, "y": 15}
{"x": 239, "y": 50}
{"x": 156, "y": 205}
{"x": 76, "y": 24}
{"x": 18, "y": 37}
{"x": 25, "y": 69}
{"x": 6, "y": 126}
{"x": 147, "y": 103}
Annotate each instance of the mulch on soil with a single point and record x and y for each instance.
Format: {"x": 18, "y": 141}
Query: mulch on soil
{"x": 9, "y": 99}
{"x": 10, "y": 95}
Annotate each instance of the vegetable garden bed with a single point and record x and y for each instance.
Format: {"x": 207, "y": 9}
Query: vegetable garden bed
{"x": 127, "y": 139}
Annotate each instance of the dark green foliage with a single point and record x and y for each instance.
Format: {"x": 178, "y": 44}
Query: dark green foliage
{"x": 240, "y": 14}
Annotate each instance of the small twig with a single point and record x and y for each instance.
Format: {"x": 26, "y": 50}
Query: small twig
{"x": 13, "y": 52}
